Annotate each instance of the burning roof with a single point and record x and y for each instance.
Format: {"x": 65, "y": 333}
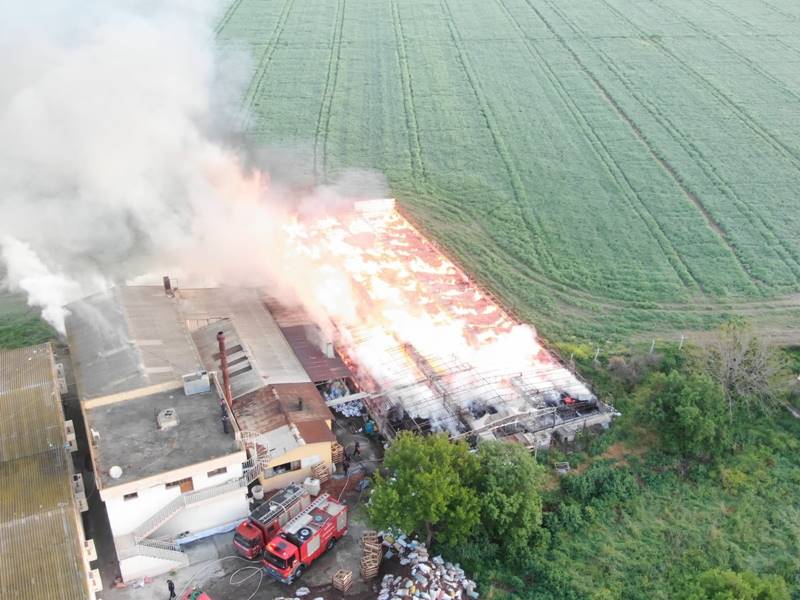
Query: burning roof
{"x": 434, "y": 350}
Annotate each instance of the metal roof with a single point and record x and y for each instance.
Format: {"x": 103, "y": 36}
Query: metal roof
{"x": 267, "y": 348}
{"x": 318, "y": 366}
{"x": 244, "y": 375}
{"x": 41, "y": 551}
{"x": 128, "y": 338}
{"x": 31, "y": 418}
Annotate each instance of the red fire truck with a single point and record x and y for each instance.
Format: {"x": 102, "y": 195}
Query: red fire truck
{"x": 266, "y": 520}
{"x": 304, "y": 539}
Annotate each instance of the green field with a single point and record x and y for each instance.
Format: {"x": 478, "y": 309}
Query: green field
{"x": 610, "y": 168}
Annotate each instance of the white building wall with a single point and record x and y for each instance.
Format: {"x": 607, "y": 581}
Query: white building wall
{"x": 211, "y": 514}
{"x": 137, "y": 567}
{"x": 125, "y": 515}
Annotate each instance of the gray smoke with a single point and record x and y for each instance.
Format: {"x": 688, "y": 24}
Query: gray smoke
{"x": 112, "y": 164}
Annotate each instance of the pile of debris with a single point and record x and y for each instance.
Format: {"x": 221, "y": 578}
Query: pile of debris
{"x": 430, "y": 578}
{"x": 354, "y": 408}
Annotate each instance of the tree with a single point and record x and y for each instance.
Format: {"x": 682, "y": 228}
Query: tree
{"x": 749, "y": 372}
{"x": 428, "y": 488}
{"x": 509, "y": 484}
{"x": 718, "y": 584}
{"x": 687, "y": 412}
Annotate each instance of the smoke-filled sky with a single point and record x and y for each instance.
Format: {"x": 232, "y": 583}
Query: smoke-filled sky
{"x": 112, "y": 159}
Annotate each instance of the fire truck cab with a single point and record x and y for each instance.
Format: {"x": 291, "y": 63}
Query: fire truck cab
{"x": 304, "y": 539}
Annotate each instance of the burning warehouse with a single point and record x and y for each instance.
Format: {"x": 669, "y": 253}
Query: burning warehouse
{"x": 428, "y": 349}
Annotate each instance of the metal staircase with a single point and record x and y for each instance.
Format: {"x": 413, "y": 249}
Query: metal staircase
{"x": 176, "y": 505}
{"x": 138, "y": 542}
{"x": 128, "y": 547}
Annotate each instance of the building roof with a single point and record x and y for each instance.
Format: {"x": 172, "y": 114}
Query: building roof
{"x": 257, "y": 331}
{"x": 314, "y": 407}
{"x": 314, "y": 432}
{"x": 319, "y": 366}
{"x": 272, "y": 411}
{"x": 39, "y": 536}
{"x": 128, "y": 338}
{"x": 133, "y": 337}
{"x": 31, "y": 419}
{"x": 130, "y": 438}
{"x": 244, "y": 375}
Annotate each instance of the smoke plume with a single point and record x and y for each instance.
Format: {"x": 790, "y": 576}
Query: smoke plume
{"x": 112, "y": 159}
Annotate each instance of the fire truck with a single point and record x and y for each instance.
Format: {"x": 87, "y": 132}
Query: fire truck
{"x": 266, "y": 520}
{"x": 304, "y": 539}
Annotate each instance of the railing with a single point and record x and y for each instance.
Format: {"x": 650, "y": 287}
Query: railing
{"x": 176, "y": 505}
{"x": 155, "y": 549}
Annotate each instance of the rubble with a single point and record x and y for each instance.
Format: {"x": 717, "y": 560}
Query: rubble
{"x": 430, "y": 578}
{"x": 354, "y": 408}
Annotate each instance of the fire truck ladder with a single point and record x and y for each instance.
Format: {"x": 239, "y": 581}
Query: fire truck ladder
{"x": 321, "y": 499}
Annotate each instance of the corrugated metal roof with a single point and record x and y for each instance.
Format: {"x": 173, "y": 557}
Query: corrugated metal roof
{"x": 268, "y": 349}
{"x": 245, "y": 376}
{"x": 318, "y": 366}
{"x": 31, "y": 417}
{"x": 41, "y": 552}
{"x": 128, "y": 338}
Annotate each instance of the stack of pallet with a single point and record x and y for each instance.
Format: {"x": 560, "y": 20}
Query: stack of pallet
{"x": 337, "y": 453}
{"x": 342, "y": 580}
{"x": 371, "y": 553}
{"x": 321, "y": 471}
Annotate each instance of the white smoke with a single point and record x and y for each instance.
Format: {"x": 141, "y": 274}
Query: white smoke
{"x": 111, "y": 163}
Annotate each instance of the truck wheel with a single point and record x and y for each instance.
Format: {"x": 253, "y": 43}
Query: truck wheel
{"x": 297, "y": 574}
{"x": 331, "y": 544}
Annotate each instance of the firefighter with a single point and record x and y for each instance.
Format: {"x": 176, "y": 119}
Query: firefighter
{"x": 357, "y": 450}
{"x": 171, "y": 587}
{"x": 346, "y": 466}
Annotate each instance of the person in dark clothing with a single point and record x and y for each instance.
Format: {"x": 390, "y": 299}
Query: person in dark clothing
{"x": 346, "y": 466}
{"x": 171, "y": 587}
{"x": 357, "y": 451}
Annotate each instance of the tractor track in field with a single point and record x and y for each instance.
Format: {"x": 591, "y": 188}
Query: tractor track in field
{"x": 409, "y": 106}
{"x": 226, "y": 17}
{"x": 517, "y": 186}
{"x": 746, "y": 23}
{"x": 612, "y": 166}
{"x": 254, "y": 90}
{"x": 784, "y": 14}
{"x": 707, "y": 35}
{"x": 682, "y": 270}
{"x": 326, "y": 106}
{"x": 708, "y": 169}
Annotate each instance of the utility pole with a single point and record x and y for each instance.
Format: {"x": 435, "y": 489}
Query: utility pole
{"x": 653, "y": 345}
{"x": 680, "y": 346}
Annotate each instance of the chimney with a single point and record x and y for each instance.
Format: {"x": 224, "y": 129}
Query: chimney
{"x": 223, "y": 363}
{"x": 167, "y": 286}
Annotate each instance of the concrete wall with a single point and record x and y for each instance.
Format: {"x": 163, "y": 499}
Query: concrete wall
{"x": 125, "y": 515}
{"x": 144, "y": 566}
{"x": 307, "y": 454}
{"x": 207, "y": 515}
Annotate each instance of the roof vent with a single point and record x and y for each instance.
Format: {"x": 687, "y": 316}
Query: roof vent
{"x": 167, "y": 418}
{"x": 115, "y": 472}
{"x": 196, "y": 383}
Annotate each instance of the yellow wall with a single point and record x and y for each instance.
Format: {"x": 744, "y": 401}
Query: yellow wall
{"x": 321, "y": 449}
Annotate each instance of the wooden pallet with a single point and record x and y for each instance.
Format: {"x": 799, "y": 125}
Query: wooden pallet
{"x": 342, "y": 580}
{"x": 337, "y": 453}
{"x": 321, "y": 471}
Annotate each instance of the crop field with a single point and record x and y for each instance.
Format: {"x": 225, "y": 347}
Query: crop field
{"x": 610, "y": 168}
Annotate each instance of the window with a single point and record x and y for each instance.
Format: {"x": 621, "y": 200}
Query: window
{"x": 219, "y": 471}
{"x": 131, "y": 496}
{"x": 186, "y": 485}
{"x": 286, "y": 467}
